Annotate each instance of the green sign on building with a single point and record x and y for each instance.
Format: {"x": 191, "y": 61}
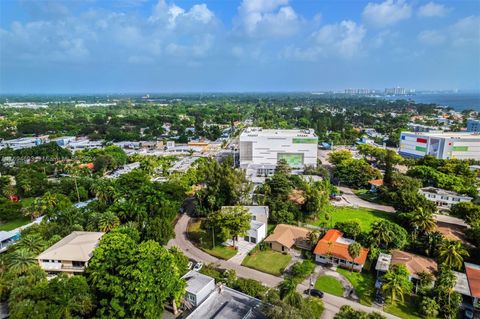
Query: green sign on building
{"x": 460, "y": 148}
{"x": 303, "y": 140}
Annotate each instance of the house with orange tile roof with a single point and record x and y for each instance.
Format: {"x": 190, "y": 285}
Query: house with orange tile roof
{"x": 284, "y": 237}
{"x": 333, "y": 249}
{"x": 473, "y": 277}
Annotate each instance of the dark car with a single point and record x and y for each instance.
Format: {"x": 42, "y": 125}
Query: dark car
{"x": 314, "y": 293}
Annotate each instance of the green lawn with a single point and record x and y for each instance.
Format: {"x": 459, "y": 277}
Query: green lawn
{"x": 329, "y": 285}
{"x": 408, "y": 310}
{"x": 14, "y": 223}
{"x": 363, "y": 283}
{"x": 364, "y": 216}
{"x": 203, "y": 240}
{"x": 369, "y": 196}
{"x": 268, "y": 261}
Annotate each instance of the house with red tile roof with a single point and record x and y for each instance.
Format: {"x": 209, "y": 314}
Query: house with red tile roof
{"x": 333, "y": 249}
{"x": 473, "y": 277}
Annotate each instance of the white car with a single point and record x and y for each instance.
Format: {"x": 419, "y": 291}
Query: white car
{"x": 198, "y": 266}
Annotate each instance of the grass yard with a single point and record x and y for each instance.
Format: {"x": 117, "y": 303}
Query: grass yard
{"x": 363, "y": 283}
{"x": 15, "y": 223}
{"x": 408, "y": 310}
{"x": 365, "y": 194}
{"x": 203, "y": 240}
{"x": 329, "y": 285}
{"x": 364, "y": 216}
{"x": 268, "y": 261}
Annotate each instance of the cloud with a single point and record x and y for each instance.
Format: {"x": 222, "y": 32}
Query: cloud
{"x": 386, "y": 13}
{"x": 173, "y": 16}
{"x": 466, "y": 31}
{"x": 431, "y": 37}
{"x": 343, "y": 39}
{"x": 266, "y": 18}
{"x": 432, "y": 9}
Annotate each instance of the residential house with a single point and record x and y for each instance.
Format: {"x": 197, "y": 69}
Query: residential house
{"x": 71, "y": 254}
{"x": 333, "y": 249}
{"x": 473, "y": 277}
{"x": 258, "y": 223}
{"x": 375, "y": 184}
{"x": 8, "y": 238}
{"x": 443, "y": 199}
{"x": 199, "y": 287}
{"x": 284, "y": 237}
{"x": 226, "y": 303}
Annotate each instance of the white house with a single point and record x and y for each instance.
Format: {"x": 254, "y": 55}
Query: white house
{"x": 258, "y": 223}
{"x": 199, "y": 287}
{"x": 443, "y": 199}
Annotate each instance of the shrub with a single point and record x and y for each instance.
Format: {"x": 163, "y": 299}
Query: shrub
{"x": 302, "y": 270}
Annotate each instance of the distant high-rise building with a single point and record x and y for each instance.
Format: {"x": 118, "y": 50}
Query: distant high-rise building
{"x": 359, "y": 91}
{"x": 395, "y": 91}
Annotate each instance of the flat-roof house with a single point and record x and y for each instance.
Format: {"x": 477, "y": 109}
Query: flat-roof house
{"x": 71, "y": 254}
{"x": 443, "y": 199}
{"x": 226, "y": 303}
{"x": 333, "y": 249}
{"x": 284, "y": 237}
{"x": 199, "y": 287}
{"x": 258, "y": 223}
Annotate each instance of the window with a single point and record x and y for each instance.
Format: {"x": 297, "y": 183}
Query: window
{"x": 246, "y": 238}
{"x": 253, "y": 239}
{"x": 78, "y": 264}
{"x": 283, "y": 248}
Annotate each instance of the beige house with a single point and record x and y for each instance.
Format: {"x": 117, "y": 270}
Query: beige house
{"x": 284, "y": 237}
{"x": 71, "y": 254}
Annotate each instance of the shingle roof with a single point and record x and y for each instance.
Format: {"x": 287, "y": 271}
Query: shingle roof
{"x": 287, "y": 234}
{"x": 332, "y": 244}
{"x": 414, "y": 263}
{"x": 78, "y": 246}
{"x": 473, "y": 277}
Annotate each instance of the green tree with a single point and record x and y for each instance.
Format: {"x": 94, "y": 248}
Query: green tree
{"x": 108, "y": 221}
{"x": 230, "y": 222}
{"x": 20, "y": 260}
{"x": 396, "y": 283}
{"x": 288, "y": 292}
{"x": 451, "y": 253}
{"x": 429, "y": 307}
{"x": 354, "y": 252}
{"x": 422, "y": 220}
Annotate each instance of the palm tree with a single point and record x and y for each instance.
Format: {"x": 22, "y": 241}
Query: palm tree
{"x": 33, "y": 210}
{"x": 108, "y": 221}
{"x": 20, "y": 260}
{"x": 313, "y": 237}
{"x": 451, "y": 253}
{"x": 33, "y": 243}
{"x": 288, "y": 292}
{"x": 354, "y": 251}
{"x": 381, "y": 233}
{"x": 104, "y": 191}
{"x": 396, "y": 283}
{"x": 423, "y": 220}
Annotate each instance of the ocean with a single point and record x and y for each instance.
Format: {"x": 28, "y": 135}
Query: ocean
{"x": 458, "y": 101}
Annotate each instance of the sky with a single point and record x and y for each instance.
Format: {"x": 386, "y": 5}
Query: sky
{"x": 141, "y": 46}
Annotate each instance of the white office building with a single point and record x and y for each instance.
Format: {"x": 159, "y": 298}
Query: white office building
{"x": 261, "y": 149}
{"x": 443, "y": 199}
{"x": 445, "y": 145}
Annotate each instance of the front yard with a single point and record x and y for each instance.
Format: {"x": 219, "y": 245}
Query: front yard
{"x": 407, "y": 310}
{"x": 330, "y": 285}
{"x": 363, "y": 283}
{"x": 203, "y": 240}
{"x": 268, "y": 261}
{"x": 364, "y": 216}
{"x": 14, "y": 223}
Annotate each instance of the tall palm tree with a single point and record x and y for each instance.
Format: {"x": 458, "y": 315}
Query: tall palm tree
{"x": 396, "y": 284}
{"x": 423, "y": 220}
{"x": 313, "y": 237}
{"x": 288, "y": 292}
{"x": 381, "y": 233}
{"x": 108, "y": 221}
{"x": 20, "y": 260}
{"x": 354, "y": 251}
{"x": 451, "y": 253}
{"x": 33, "y": 243}
{"x": 104, "y": 191}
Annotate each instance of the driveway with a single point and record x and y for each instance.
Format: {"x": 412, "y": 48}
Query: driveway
{"x": 244, "y": 247}
{"x": 332, "y": 303}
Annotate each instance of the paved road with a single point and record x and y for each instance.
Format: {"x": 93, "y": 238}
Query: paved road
{"x": 354, "y": 200}
{"x": 332, "y": 303}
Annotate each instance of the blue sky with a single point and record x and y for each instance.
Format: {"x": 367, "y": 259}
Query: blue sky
{"x": 141, "y": 46}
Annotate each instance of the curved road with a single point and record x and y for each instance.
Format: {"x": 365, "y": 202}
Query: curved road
{"x": 332, "y": 303}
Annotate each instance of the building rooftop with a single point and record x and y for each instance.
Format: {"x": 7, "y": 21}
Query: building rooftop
{"x": 461, "y": 283}
{"x": 196, "y": 281}
{"x": 473, "y": 276}
{"x": 454, "y": 135}
{"x": 414, "y": 263}
{"x": 226, "y": 303}
{"x": 439, "y": 191}
{"x": 78, "y": 246}
{"x": 376, "y": 182}
{"x": 383, "y": 262}
{"x": 336, "y": 245}
{"x": 287, "y": 234}
{"x": 258, "y": 131}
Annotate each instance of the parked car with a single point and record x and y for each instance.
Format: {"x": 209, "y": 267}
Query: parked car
{"x": 314, "y": 293}
{"x": 198, "y": 266}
